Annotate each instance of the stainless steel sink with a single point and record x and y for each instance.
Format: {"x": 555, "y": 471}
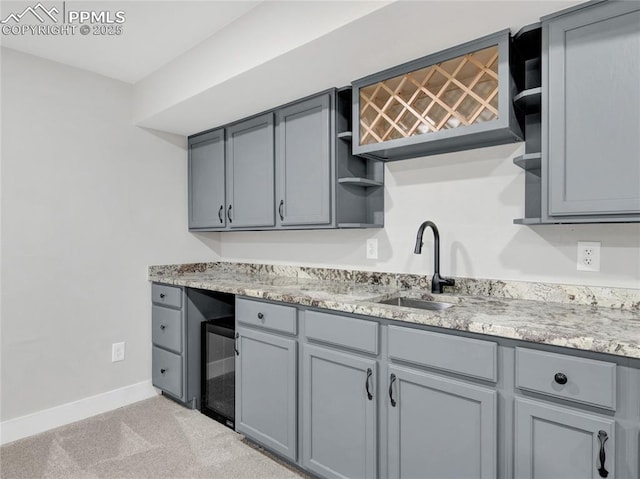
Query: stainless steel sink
{"x": 417, "y": 303}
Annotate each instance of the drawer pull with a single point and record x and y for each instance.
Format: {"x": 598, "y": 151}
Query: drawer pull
{"x": 602, "y": 437}
{"x": 229, "y": 214}
{"x": 392, "y": 379}
{"x": 560, "y": 378}
{"x": 235, "y": 344}
{"x": 220, "y": 214}
{"x": 260, "y": 316}
{"x": 162, "y": 371}
{"x": 163, "y": 327}
{"x": 366, "y": 384}
{"x": 281, "y": 210}
{"x": 161, "y": 295}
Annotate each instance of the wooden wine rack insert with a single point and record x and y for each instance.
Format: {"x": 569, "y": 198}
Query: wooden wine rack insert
{"x": 461, "y": 91}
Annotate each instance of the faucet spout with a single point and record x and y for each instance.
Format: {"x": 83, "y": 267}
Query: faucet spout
{"x": 437, "y": 282}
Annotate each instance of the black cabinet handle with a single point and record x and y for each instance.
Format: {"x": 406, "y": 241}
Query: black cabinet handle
{"x": 602, "y": 437}
{"x": 260, "y": 315}
{"x": 235, "y": 344}
{"x": 281, "y": 210}
{"x": 162, "y": 371}
{"x": 161, "y": 295}
{"x": 220, "y": 213}
{"x": 392, "y": 379}
{"x": 560, "y": 378}
{"x": 229, "y": 214}
{"x": 162, "y": 327}
{"x": 366, "y": 384}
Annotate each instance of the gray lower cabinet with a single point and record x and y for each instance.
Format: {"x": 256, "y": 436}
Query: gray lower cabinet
{"x": 553, "y": 442}
{"x": 339, "y": 413}
{"x": 439, "y": 427}
{"x": 206, "y": 173}
{"x": 591, "y": 145}
{"x": 303, "y": 156}
{"x": 266, "y": 390}
{"x": 250, "y": 173}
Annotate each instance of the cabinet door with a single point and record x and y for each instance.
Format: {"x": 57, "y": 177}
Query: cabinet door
{"x": 250, "y": 176}
{"x": 207, "y": 181}
{"x": 439, "y": 428}
{"x": 266, "y": 390}
{"x": 594, "y": 111}
{"x": 339, "y": 414}
{"x": 553, "y": 442}
{"x": 303, "y": 151}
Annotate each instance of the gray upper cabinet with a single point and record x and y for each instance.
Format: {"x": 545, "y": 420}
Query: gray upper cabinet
{"x": 553, "y": 442}
{"x": 266, "y": 390}
{"x": 207, "y": 181}
{"x": 591, "y": 91}
{"x": 303, "y": 154}
{"x": 440, "y": 428}
{"x": 339, "y": 414}
{"x": 251, "y": 170}
{"x": 457, "y": 99}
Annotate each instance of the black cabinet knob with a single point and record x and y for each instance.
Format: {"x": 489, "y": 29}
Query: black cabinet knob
{"x": 161, "y": 295}
{"x": 560, "y": 378}
{"x": 162, "y": 371}
{"x": 162, "y": 327}
{"x": 260, "y": 316}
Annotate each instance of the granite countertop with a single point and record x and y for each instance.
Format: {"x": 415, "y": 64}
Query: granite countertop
{"x": 612, "y": 329}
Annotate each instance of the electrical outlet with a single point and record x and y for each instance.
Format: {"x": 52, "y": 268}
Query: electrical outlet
{"x": 117, "y": 352}
{"x": 372, "y": 248}
{"x": 588, "y": 256}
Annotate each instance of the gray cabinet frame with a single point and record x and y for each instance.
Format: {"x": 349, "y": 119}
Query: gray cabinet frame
{"x": 503, "y": 130}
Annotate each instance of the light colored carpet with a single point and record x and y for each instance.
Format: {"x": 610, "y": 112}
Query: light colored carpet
{"x": 155, "y": 438}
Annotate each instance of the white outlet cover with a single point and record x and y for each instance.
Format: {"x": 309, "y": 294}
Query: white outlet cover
{"x": 117, "y": 352}
{"x": 372, "y": 248}
{"x": 588, "y": 256}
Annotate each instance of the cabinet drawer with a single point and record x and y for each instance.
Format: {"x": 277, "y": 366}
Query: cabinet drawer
{"x": 166, "y": 295}
{"x": 167, "y": 371}
{"x": 267, "y": 315}
{"x": 583, "y": 380}
{"x": 167, "y": 328}
{"x": 470, "y": 357}
{"x": 358, "y": 334}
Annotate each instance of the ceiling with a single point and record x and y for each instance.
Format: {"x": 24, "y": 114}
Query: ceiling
{"x": 154, "y": 33}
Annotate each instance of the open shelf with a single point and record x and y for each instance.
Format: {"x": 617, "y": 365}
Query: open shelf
{"x": 345, "y": 135}
{"x": 527, "y": 221}
{"x": 366, "y": 182}
{"x": 529, "y": 161}
{"x": 528, "y": 100}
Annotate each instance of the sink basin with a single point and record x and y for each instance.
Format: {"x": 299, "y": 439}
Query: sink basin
{"x": 417, "y": 303}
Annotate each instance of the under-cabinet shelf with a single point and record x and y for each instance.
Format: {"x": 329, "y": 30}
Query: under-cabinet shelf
{"x": 528, "y": 100}
{"x": 529, "y": 161}
{"x": 345, "y": 135}
{"x": 357, "y": 181}
{"x": 527, "y": 221}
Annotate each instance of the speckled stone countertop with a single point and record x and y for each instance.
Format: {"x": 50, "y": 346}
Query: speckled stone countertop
{"x": 605, "y": 320}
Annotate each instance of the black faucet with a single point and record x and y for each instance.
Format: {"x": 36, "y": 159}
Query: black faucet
{"x": 437, "y": 282}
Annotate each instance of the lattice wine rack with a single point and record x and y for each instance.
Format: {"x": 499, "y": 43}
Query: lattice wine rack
{"x": 458, "y": 92}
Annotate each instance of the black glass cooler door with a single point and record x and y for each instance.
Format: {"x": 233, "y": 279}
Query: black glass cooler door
{"x": 218, "y": 370}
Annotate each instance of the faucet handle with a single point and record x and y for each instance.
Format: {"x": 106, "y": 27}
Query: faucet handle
{"x": 448, "y": 281}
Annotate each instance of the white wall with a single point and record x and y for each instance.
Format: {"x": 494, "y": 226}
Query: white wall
{"x": 88, "y": 202}
{"x": 473, "y": 197}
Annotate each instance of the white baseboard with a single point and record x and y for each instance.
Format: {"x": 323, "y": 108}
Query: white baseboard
{"x": 41, "y": 421}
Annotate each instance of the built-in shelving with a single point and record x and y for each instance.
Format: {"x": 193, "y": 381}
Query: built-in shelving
{"x": 528, "y": 80}
{"x": 529, "y": 100}
{"x": 529, "y": 161}
{"x": 360, "y": 181}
